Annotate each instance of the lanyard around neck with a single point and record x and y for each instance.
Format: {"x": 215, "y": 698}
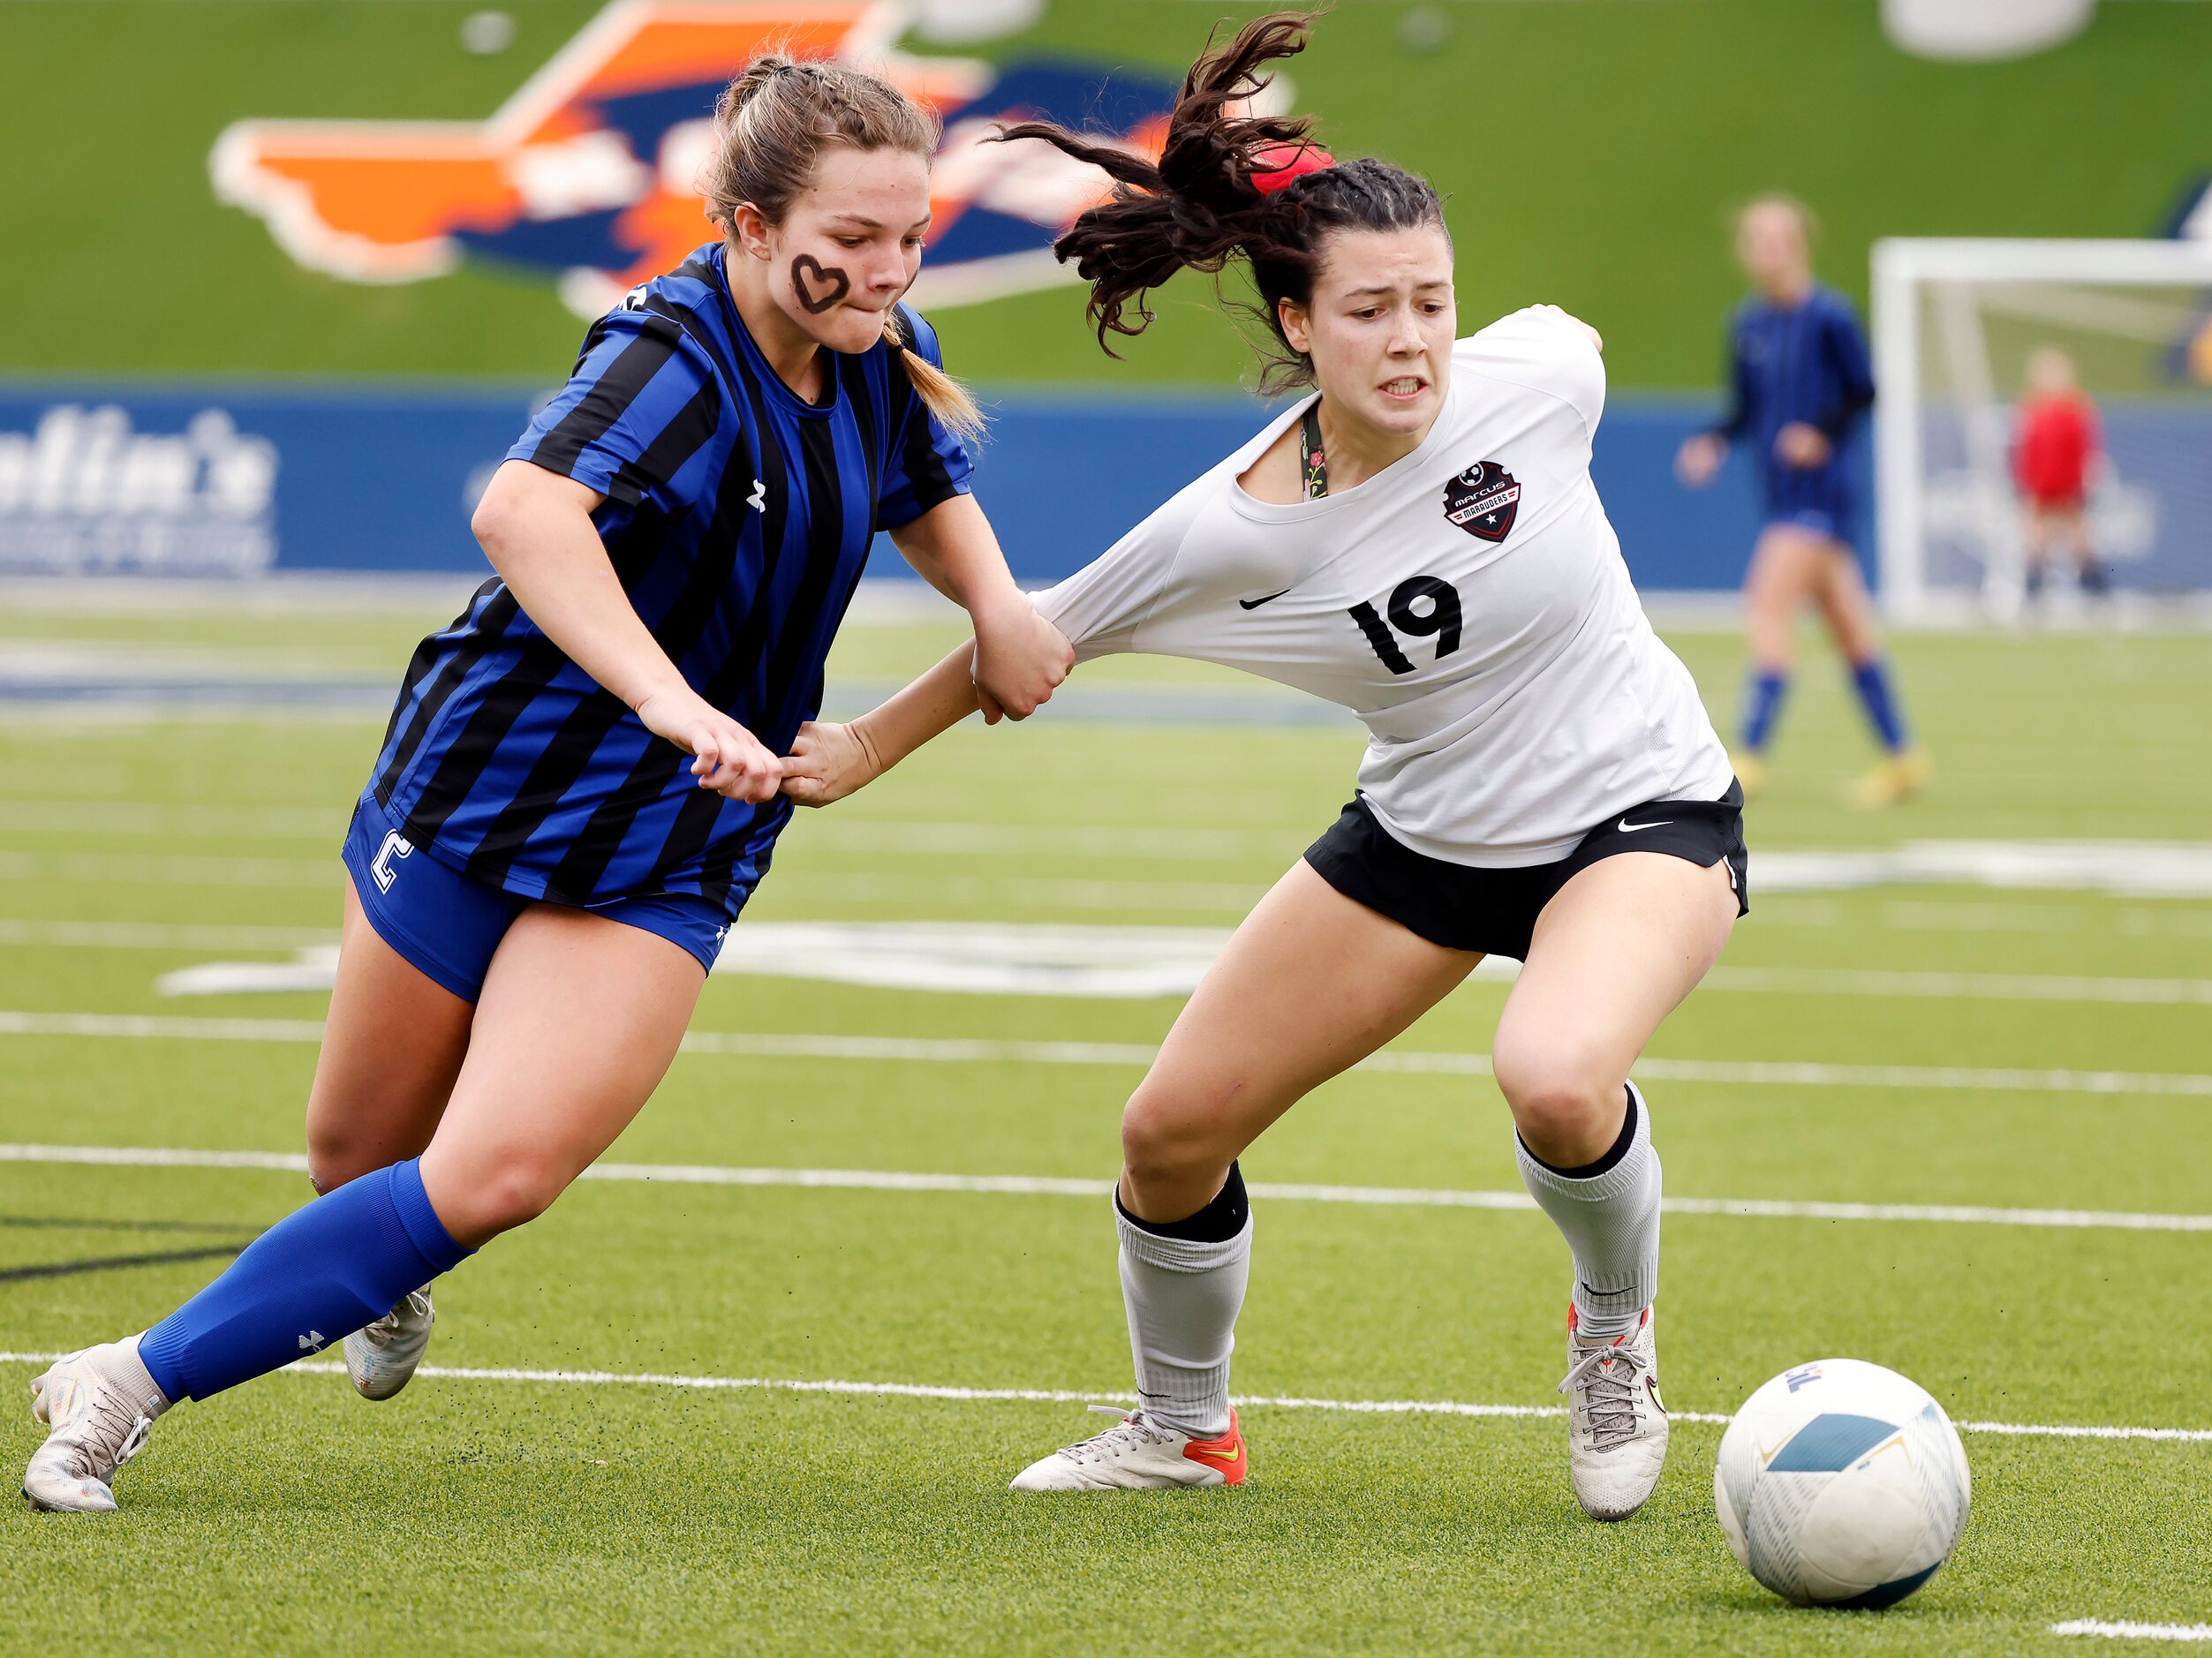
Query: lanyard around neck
{"x": 1315, "y": 465}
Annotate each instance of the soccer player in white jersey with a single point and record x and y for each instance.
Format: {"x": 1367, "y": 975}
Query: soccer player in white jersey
{"x": 1420, "y": 541}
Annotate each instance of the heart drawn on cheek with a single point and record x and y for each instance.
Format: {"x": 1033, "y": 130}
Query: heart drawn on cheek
{"x": 834, "y": 284}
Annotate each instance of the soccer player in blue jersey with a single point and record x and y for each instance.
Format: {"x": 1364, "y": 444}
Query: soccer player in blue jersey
{"x": 578, "y": 787}
{"x": 1799, "y": 387}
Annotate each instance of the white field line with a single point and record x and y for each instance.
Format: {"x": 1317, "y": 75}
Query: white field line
{"x": 1068, "y": 1395}
{"x": 173, "y": 818}
{"x": 1053, "y": 1186}
{"x": 65, "y": 720}
{"x": 139, "y": 934}
{"x": 125, "y": 935}
{"x": 1904, "y": 914}
{"x": 2126, "y": 1631}
{"x": 982, "y": 1050}
{"x": 101, "y": 868}
{"x": 2022, "y": 987}
{"x": 942, "y": 838}
{"x": 934, "y": 838}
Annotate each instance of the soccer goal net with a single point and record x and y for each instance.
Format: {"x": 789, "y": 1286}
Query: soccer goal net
{"x": 1958, "y": 323}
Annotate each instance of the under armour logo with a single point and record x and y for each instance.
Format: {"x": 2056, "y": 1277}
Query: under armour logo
{"x": 758, "y": 500}
{"x": 396, "y": 845}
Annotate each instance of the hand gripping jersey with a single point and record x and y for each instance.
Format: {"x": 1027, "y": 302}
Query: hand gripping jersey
{"x": 1469, "y": 603}
{"x": 737, "y": 517}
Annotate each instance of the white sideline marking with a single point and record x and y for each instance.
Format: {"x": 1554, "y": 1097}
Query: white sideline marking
{"x": 1151, "y": 961}
{"x": 1066, "y": 1396}
{"x": 2024, "y": 987}
{"x": 174, "y": 870}
{"x": 1054, "y": 960}
{"x": 2121, "y": 869}
{"x": 139, "y": 934}
{"x": 1051, "y": 1185}
{"x": 922, "y": 836}
{"x": 971, "y": 1050}
{"x": 2126, "y": 1631}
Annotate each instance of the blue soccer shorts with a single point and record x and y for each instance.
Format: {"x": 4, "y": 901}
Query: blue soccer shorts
{"x": 447, "y": 926}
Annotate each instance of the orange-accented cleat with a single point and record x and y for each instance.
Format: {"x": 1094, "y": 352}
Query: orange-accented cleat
{"x": 1616, "y": 1425}
{"x": 1225, "y": 1451}
{"x": 1139, "y": 1454}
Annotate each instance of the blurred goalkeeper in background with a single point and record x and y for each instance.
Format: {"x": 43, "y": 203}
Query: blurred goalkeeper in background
{"x": 1801, "y": 386}
{"x": 2055, "y": 448}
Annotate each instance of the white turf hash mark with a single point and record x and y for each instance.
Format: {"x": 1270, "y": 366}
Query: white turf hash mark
{"x": 968, "y": 1050}
{"x": 2125, "y": 1631}
{"x": 1063, "y": 1396}
{"x": 1051, "y": 1185}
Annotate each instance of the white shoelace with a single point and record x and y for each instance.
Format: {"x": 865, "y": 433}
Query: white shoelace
{"x": 1102, "y": 1445}
{"x": 1611, "y": 1393}
{"x": 114, "y": 1430}
{"x": 379, "y": 1332}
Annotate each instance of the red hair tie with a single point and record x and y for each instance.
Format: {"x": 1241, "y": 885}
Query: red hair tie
{"x": 1280, "y": 163}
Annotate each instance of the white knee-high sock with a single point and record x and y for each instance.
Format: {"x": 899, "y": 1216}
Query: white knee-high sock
{"x": 1610, "y": 1218}
{"x": 1183, "y": 1297}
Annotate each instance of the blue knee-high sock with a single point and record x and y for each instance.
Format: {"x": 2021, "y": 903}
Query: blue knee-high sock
{"x": 315, "y": 1277}
{"x": 1762, "y": 705}
{"x": 1871, "y": 680}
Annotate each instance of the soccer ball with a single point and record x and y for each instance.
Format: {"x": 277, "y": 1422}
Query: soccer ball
{"x": 1841, "y": 1484}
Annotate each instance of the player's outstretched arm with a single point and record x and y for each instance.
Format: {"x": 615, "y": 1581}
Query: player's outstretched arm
{"x": 1019, "y": 656}
{"x": 536, "y": 528}
{"x": 829, "y": 761}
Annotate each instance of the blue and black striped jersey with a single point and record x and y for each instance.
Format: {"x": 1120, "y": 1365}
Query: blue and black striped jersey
{"x": 737, "y": 517}
{"x": 1789, "y": 363}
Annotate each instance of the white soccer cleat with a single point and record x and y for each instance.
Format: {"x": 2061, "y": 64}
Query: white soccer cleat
{"x": 1616, "y": 1437}
{"x": 100, "y": 1404}
{"x": 1137, "y": 1454}
{"x": 381, "y": 1356}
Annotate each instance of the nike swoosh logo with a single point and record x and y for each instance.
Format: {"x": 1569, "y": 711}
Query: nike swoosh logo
{"x": 1236, "y": 1455}
{"x": 1253, "y": 603}
{"x": 1630, "y": 828}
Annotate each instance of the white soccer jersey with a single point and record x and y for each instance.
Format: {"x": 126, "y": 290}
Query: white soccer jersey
{"x": 1469, "y": 603}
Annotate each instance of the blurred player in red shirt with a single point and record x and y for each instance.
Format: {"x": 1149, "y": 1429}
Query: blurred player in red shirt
{"x": 2055, "y": 447}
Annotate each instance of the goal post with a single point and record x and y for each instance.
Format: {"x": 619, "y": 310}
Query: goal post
{"x": 1953, "y": 320}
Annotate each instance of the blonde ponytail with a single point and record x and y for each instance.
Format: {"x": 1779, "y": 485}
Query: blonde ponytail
{"x": 943, "y": 395}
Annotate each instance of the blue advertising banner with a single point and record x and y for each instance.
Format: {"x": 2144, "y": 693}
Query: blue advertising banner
{"x": 245, "y": 479}
{"x": 217, "y": 479}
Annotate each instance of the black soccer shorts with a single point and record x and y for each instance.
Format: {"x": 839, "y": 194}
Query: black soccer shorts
{"x": 1495, "y": 911}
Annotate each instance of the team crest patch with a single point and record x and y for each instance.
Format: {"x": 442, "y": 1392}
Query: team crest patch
{"x": 1482, "y": 500}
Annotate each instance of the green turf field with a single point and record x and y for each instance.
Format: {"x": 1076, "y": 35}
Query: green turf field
{"x": 2008, "y": 1049}
{"x": 1591, "y": 155}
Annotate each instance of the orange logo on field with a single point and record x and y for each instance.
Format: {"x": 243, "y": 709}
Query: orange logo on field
{"x": 586, "y": 175}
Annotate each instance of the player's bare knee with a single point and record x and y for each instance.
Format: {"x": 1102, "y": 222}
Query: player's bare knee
{"x": 1162, "y": 1138}
{"x": 1559, "y": 1105}
{"x": 512, "y": 1191}
{"x": 335, "y": 1156}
